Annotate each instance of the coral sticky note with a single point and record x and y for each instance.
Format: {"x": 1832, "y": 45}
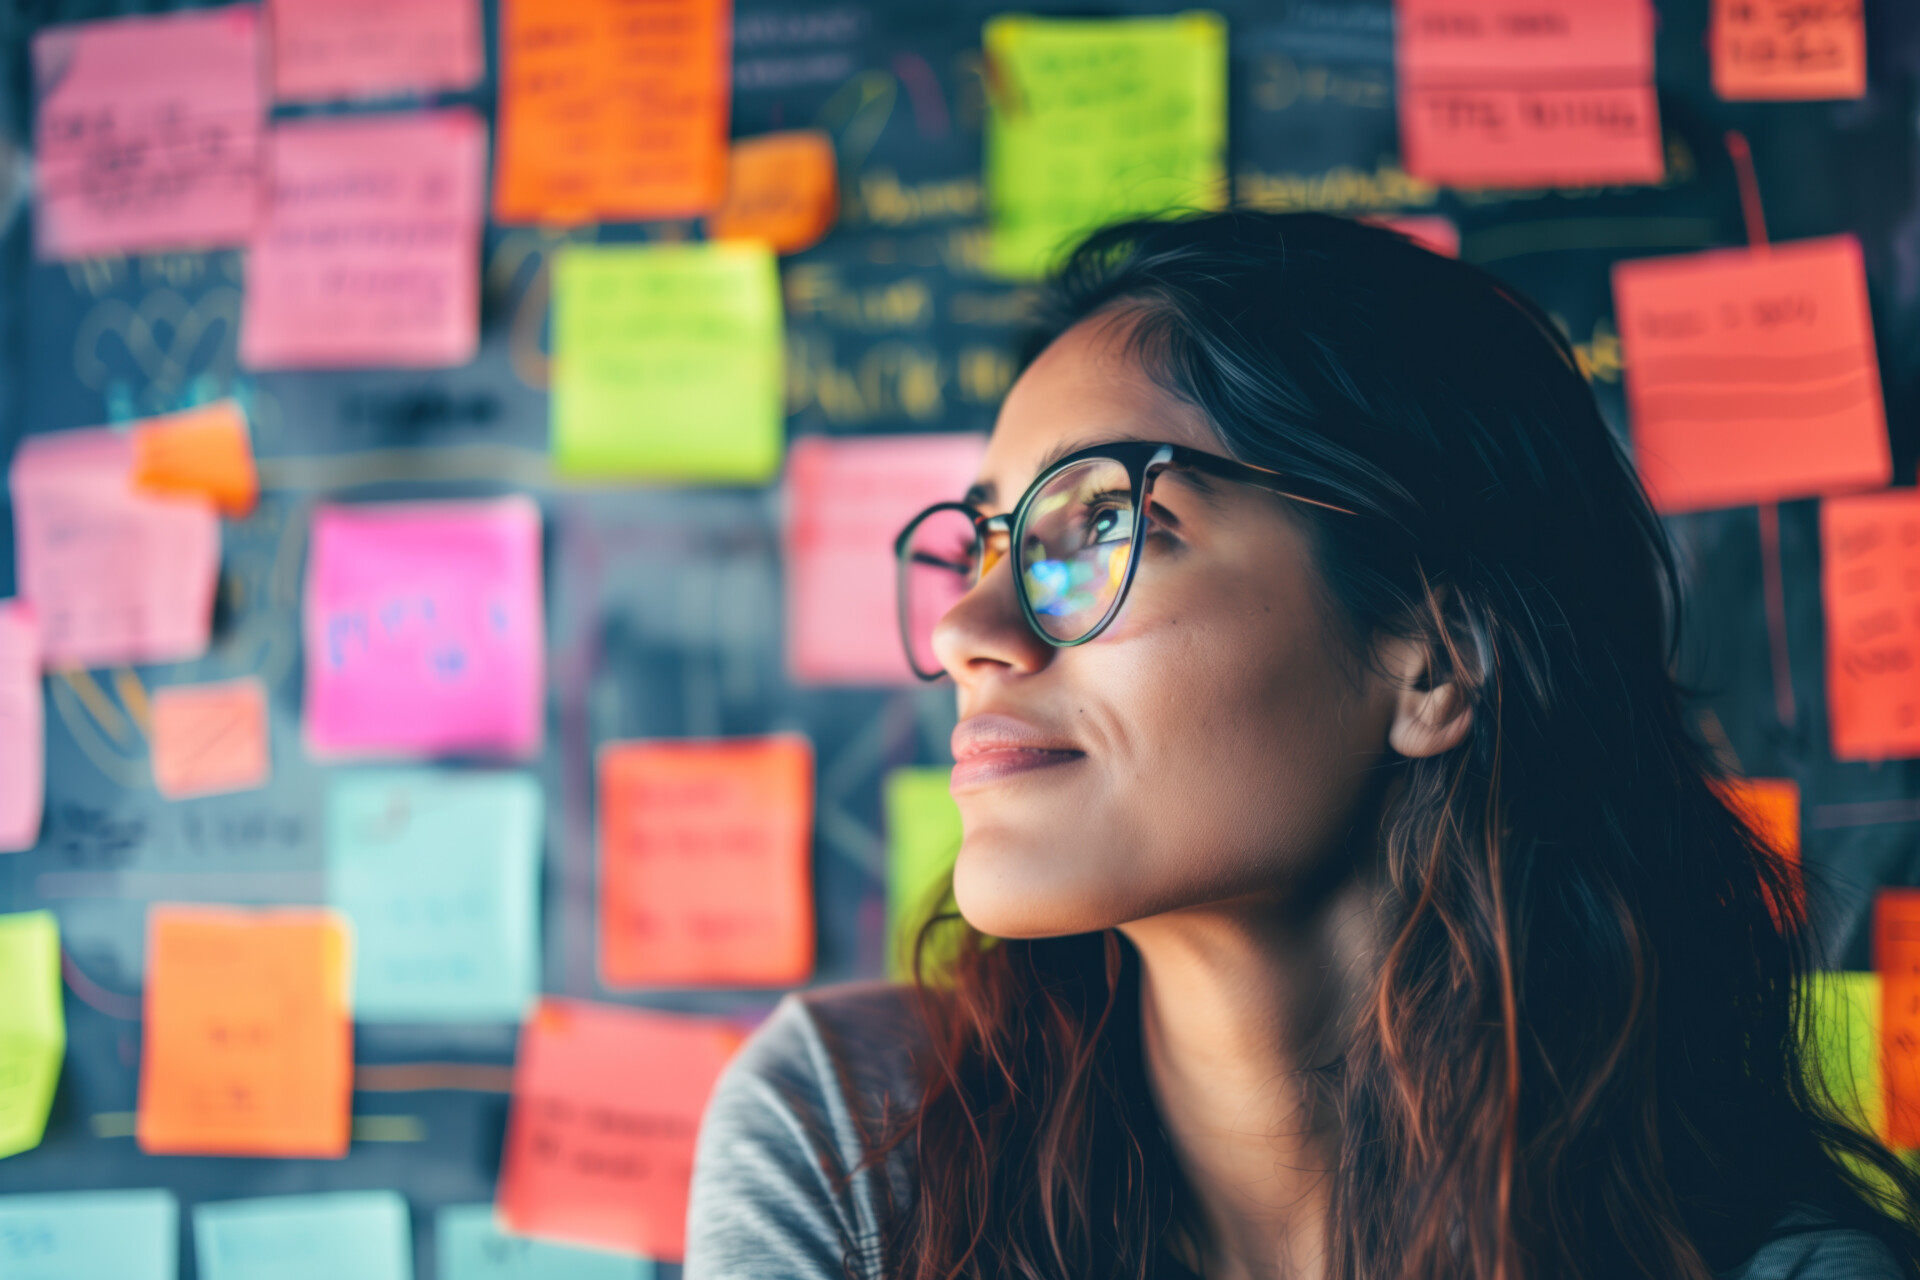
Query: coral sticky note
{"x": 147, "y": 132}
{"x": 606, "y": 1104}
{"x": 439, "y": 873}
{"x": 366, "y": 1235}
{"x": 848, "y": 500}
{"x": 199, "y": 453}
{"x": 1092, "y": 120}
{"x": 667, "y": 362}
{"x": 425, "y": 630}
{"x": 923, "y": 839}
{"x": 469, "y": 1245}
{"x": 1896, "y": 958}
{"x": 1527, "y": 93}
{"x": 1751, "y": 374}
{"x": 373, "y": 48}
{"x": 33, "y": 1026}
{"x": 90, "y": 1235}
{"x": 247, "y": 1048}
{"x": 210, "y": 738}
{"x": 1776, "y": 50}
{"x": 705, "y": 862}
{"x": 23, "y": 728}
{"x": 1870, "y": 586}
{"x": 782, "y": 188}
{"x": 612, "y": 114}
{"x": 113, "y": 575}
{"x": 368, "y": 253}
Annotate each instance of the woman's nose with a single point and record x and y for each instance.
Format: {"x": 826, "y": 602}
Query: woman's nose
{"x": 985, "y": 631}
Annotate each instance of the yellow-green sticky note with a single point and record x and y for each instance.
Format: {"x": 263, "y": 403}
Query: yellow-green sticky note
{"x": 1094, "y": 120}
{"x": 923, "y": 838}
{"x": 667, "y": 363}
{"x": 33, "y": 1029}
{"x": 1846, "y": 1043}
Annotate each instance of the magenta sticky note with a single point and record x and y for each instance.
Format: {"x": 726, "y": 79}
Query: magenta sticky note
{"x": 148, "y": 132}
{"x": 848, "y": 498}
{"x": 373, "y": 48}
{"x": 424, "y": 630}
{"x": 23, "y": 733}
{"x": 113, "y": 574}
{"x": 369, "y": 252}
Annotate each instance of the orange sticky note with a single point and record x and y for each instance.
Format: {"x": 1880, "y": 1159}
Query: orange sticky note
{"x": 782, "y": 188}
{"x": 1870, "y": 586}
{"x": 1778, "y": 50}
{"x": 1527, "y": 93}
{"x": 1751, "y": 374}
{"x": 705, "y": 866}
{"x": 202, "y": 452}
{"x": 247, "y": 1049}
{"x": 1896, "y": 955}
{"x": 210, "y": 738}
{"x": 611, "y": 112}
{"x": 1771, "y": 806}
{"x": 606, "y": 1104}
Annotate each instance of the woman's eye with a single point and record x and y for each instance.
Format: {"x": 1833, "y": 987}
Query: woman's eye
{"x": 1110, "y": 522}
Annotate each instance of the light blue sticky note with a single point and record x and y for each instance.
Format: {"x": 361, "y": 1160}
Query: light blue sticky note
{"x": 439, "y": 872}
{"x": 471, "y": 1247}
{"x": 90, "y": 1235}
{"x": 361, "y": 1234}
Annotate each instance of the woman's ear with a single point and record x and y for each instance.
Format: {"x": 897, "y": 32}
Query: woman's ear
{"x": 1431, "y": 714}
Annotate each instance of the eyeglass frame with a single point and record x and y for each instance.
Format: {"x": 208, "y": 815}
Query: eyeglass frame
{"x": 1144, "y": 460}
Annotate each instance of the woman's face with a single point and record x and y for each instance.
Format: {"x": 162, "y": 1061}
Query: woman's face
{"x": 1210, "y": 746}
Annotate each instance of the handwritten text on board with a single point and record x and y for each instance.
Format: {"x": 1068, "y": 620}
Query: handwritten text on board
{"x": 365, "y": 1235}
{"x": 373, "y": 48}
{"x": 90, "y": 1235}
{"x": 1870, "y": 585}
{"x": 23, "y": 728}
{"x": 1788, "y": 49}
{"x": 33, "y": 1027}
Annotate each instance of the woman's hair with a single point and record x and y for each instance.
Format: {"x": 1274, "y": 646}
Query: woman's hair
{"x": 1584, "y": 1053}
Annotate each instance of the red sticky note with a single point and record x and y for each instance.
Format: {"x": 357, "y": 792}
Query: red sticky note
{"x": 203, "y": 452}
{"x": 247, "y": 1049}
{"x": 147, "y": 132}
{"x": 849, "y": 498}
{"x": 373, "y": 48}
{"x": 1781, "y": 50}
{"x": 611, "y": 112}
{"x": 210, "y": 738}
{"x": 1428, "y": 230}
{"x": 782, "y": 188}
{"x": 1527, "y": 93}
{"x": 1896, "y": 955}
{"x": 369, "y": 253}
{"x": 705, "y": 866}
{"x": 1751, "y": 374}
{"x": 606, "y": 1104}
{"x": 1870, "y": 585}
{"x": 23, "y": 728}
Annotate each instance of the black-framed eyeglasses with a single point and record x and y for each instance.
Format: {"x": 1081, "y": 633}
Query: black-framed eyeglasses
{"x": 1078, "y": 531}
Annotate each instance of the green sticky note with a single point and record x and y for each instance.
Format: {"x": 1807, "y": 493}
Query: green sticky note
{"x": 33, "y": 1027}
{"x": 470, "y": 1246}
{"x": 1846, "y": 1043}
{"x": 1094, "y": 120}
{"x": 923, "y": 838}
{"x": 667, "y": 362}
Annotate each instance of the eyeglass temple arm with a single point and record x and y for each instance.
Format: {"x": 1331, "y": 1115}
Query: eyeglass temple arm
{"x": 1234, "y": 469}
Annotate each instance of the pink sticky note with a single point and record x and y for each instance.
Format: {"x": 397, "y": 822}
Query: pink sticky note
{"x": 369, "y": 48}
{"x": 148, "y": 132}
{"x": 424, "y": 630}
{"x": 850, "y": 498}
{"x": 210, "y": 738}
{"x": 23, "y": 737}
{"x": 369, "y": 254}
{"x": 114, "y": 575}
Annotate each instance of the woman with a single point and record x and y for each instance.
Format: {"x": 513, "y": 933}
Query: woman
{"x": 1343, "y": 892}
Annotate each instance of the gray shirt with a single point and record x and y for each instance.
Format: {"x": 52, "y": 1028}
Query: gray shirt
{"x": 795, "y": 1112}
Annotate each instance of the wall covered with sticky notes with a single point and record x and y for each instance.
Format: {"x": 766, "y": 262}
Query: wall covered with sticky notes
{"x": 448, "y": 691}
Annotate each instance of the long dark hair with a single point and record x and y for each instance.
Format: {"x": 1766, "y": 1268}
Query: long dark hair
{"x": 1582, "y": 1054}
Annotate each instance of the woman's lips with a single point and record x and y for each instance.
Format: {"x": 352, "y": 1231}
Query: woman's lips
{"x": 990, "y": 747}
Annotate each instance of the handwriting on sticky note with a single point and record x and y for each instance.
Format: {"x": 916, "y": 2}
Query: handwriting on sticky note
{"x": 1896, "y": 957}
{"x": 247, "y": 1047}
{"x": 33, "y": 1027}
{"x": 113, "y": 575}
{"x": 198, "y": 453}
{"x": 1528, "y": 93}
{"x": 611, "y": 114}
{"x": 439, "y": 873}
{"x": 606, "y": 1104}
{"x": 782, "y": 188}
{"x": 1751, "y": 375}
{"x": 89, "y": 1235}
{"x": 471, "y": 1246}
{"x": 147, "y": 132}
{"x": 23, "y": 728}
{"x": 210, "y": 738}
{"x": 923, "y": 839}
{"x": 369, "y": 252}
{"x": 667, "y": 362}
{"x": 373, "y": 48}
{"x": 1870, "y": 586}
{"x": 362, "y": 1234}
{"x": 1092, "y": 120}
{"x": 849, "y": 499}
{"x": 1788, "y": 49}
{"x": 424, "y": 630}
{"x": 705, "y": 867}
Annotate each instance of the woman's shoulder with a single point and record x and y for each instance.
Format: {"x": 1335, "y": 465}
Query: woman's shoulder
{"x": 862, "y": 1040}
{"x": 1808, "y": 1244}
